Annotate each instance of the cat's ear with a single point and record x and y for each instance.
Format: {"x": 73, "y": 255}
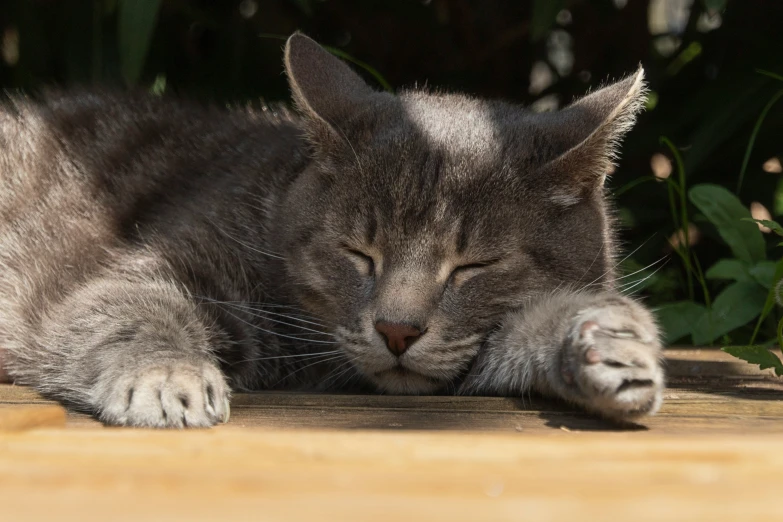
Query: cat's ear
{"x": 324, "y": 88}
{"x": 587, "y": 135}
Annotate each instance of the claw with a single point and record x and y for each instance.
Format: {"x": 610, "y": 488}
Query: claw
{"x": 227, "y": 415}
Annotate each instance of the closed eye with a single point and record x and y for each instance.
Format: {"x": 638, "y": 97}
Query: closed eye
{"x": 466, "y": 271}
{"x": 364, "y": 262}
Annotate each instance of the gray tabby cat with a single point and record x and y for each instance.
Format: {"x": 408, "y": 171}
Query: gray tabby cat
{"x": 157, "y": 255}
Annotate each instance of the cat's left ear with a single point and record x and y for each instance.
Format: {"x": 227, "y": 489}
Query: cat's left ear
{"x": 586, "y": 136}
{"x": 325, "y": 89}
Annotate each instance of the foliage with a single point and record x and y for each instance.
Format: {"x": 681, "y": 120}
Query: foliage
{"x": 756, "y": 282}
{"x": 714, "y": 67}
{"x": 757, "y": 355}
{"x": 136, "y": 23}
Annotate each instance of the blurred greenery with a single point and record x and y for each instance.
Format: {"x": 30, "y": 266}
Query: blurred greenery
{"x": 715, "y": 69}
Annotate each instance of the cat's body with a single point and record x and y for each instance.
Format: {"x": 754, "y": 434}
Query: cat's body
{"x": 155, "y": 255}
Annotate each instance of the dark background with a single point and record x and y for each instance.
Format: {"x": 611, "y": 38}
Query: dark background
{"x": 701, "y": 59}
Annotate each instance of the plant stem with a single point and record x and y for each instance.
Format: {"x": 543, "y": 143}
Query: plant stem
{"x": 685, "y": 244}
{"x": 770, "y": 74}
{"x": 770, "y": 303}
{"x": 638, "y": 181}
{"x": 753, "y": 134}
{"x": 702, "y": 281}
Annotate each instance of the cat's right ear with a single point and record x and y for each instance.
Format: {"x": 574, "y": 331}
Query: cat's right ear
{"x": 324, "y": 88}
{"x": 586, "y": 135}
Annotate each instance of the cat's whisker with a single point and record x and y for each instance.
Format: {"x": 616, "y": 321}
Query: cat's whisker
{"x": 600, "y": 250}
{"x": 588, "y": 285}
{"x": 302, "y": 316}
{"x": 348, "y": 369}
{"x": 296, "y": 356}
{"x": 287, "y": 316}
{"x": 347, "y": 383}
{"x": 634, "y": 284}
{"x": 320, "y": 361}
{"x": 242, "y": 243}
{"x": 644, "y": 278}
{"x": 265, "y": 314}
{"x": 356, "y": 372}
{"x": 278, "y": 334}
{"x": 349, "y": 360}
{"x": 626, "y": 276}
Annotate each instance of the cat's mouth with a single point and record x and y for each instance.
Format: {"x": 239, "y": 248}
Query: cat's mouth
{"x": 402, "y": 371}
{"x": 403, "y": 380}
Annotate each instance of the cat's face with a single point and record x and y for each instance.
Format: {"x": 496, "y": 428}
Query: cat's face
{"x": 425, "y": 218}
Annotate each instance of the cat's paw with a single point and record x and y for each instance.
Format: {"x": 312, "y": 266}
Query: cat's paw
{"x": 612, "y": 360}
{"x": 170, "y": 394}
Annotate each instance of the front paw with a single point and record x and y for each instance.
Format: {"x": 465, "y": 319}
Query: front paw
{"x": 611, "y": 361}
{"x": 166, "y": 394}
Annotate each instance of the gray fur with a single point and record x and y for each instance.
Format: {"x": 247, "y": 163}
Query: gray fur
{"x": 156, "y": 254}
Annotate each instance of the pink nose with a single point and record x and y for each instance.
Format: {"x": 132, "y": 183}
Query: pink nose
{"x": 399, "y": 336}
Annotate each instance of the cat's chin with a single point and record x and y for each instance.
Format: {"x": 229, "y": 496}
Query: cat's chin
{"x": 403, "y": 381}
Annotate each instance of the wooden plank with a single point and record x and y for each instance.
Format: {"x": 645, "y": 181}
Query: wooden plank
{"x": 740, "y": 408}
{"x": 28, "y": 417}
{"x": 723, "y": 396}
{"x": 712, "y": 453}
{"x": 228, "y": 473}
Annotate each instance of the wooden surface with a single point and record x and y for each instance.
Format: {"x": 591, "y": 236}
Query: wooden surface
{"x": 32, "y": 416}
{"x": 715, "y": 452}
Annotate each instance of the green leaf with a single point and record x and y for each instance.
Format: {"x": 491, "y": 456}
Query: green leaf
{"x": 678, "y": 319}
{"x": 543, "y": 17}
{"x": 136, "y": 24}
{"x": 770, "y": 301}
{"x": 159, "y": 86}
{"x": 764, "y": 273}
{"x": 757, "y": 355}
{"x": 726, "y": 212}
{"x": 729, "y": 269}
{"x": 773, "y": 225}
{"x": 737, "y": 305}
{"x": 715, "y": 5}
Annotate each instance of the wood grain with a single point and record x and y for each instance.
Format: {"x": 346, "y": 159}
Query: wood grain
{"x": 251, "y": 474}
{"x": 28, "y": 417}
{"x": 714, "y": 452}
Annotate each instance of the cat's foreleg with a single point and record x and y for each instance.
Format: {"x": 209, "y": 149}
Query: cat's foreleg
{"x": 601, "y": 351}
{"x": 133, "y": 352}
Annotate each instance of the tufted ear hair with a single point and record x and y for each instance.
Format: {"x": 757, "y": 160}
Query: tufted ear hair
{"x": 586, "y": 136}
{"x": 324, "y": 88}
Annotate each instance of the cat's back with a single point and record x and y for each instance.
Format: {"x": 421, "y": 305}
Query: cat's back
{"x": 116, "y": 144}
{"x": 85, "y": 174}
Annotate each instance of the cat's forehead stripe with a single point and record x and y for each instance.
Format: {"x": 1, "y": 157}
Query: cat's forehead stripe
{"x": 458, "y": 125}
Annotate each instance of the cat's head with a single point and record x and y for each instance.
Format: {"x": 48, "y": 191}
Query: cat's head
{"x": 426, "y": 217}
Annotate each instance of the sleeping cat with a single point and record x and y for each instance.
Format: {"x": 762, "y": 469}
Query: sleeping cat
{"x": 156, "y": 255}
